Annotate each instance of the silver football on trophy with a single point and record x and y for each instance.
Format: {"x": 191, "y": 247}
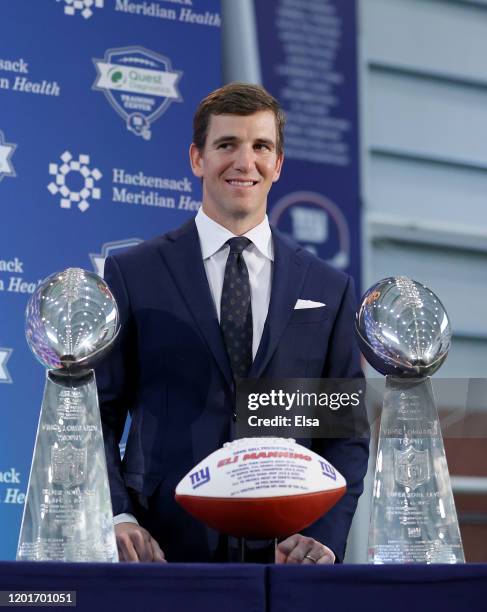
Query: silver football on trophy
{"x": 403, "y": 328}
{"x": 71, "y": 321}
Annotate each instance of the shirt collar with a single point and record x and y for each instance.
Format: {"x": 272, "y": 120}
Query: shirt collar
{"x": 213, "y": 236}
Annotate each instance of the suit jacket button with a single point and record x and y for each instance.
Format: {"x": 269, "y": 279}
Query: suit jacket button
{"x": 234, "y": 417}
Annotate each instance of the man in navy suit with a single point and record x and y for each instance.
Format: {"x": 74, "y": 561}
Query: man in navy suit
{"x": 174, "y": 367}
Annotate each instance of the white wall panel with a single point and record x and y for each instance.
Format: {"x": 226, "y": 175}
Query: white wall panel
{"x": 448, "y": 39}
{"x": 415, "y": 189}
{"x": 458, "y": 278}
{"x": 467, "y": 359}
{"x": 427, "y": 117}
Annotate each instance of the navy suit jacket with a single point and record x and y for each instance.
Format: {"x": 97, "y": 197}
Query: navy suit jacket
{"x": 170, "y": 369}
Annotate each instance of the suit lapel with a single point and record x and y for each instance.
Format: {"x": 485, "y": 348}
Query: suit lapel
{"x": 289, "y": 270}
{"x": 182, "y": 254}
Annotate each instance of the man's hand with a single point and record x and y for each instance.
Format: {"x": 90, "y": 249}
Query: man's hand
{"x": 136, "y": 544}
{"x": 301, "y": 549}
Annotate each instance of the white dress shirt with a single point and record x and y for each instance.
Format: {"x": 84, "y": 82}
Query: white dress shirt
{"x": 258, "y": 258}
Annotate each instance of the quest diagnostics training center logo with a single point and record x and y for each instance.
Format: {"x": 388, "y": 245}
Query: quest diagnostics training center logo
{"x": 74, "y": 181}
{"x": 139, "y": 84}
{"x": 81, "y": 7}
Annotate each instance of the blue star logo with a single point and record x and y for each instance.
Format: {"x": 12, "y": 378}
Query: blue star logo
{"x": 6, "y": 151}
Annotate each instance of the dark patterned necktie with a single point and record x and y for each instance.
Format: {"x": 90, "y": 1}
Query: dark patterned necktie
{"x": 236, "y": 309}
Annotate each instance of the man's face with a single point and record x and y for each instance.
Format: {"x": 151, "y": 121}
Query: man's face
{"x": 238, "y": 165}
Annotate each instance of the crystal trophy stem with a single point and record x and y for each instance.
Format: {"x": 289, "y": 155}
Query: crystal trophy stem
{"x": 413, "y": 519}
{"x": 68, "y": 512}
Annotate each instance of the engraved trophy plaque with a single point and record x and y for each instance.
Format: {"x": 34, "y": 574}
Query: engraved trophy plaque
{"x": 405, "y": 333}
{"x": 71, "y": 321}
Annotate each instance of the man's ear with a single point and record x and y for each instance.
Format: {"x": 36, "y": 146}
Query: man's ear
{"x": 277, "y": 171}
{"x": 196, "y": 160}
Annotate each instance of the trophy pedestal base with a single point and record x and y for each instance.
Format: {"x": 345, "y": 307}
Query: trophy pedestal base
{"x": 68, "y": 512}
{"x": 413, "y": 519}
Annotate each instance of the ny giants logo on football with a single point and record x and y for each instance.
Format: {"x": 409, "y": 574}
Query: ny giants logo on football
{"x": 327, "y": 470}
{"x": 200, "y": 477}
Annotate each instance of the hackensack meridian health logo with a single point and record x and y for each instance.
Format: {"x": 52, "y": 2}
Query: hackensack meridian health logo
{"x": 85, "y": 7}
{"x": 74, "y": 181}
{"x": 4, "y": 357}
{"x": 139, "y": 84}
{"x": 6, "y": 151}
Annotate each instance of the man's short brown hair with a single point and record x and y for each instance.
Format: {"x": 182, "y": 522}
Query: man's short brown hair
{"x": 237, "y": 99}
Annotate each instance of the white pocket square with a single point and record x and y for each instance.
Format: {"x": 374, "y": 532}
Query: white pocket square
{"x": 308, "y": 304}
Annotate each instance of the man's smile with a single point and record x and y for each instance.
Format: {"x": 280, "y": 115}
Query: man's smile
{"x": 241, "y": 182}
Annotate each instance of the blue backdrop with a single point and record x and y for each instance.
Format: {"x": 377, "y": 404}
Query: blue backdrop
{"x": 96, "y": 106}
{"x": 309, "y": 62}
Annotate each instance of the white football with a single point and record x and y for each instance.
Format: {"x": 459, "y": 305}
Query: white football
{"x": 261, "y": 488}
